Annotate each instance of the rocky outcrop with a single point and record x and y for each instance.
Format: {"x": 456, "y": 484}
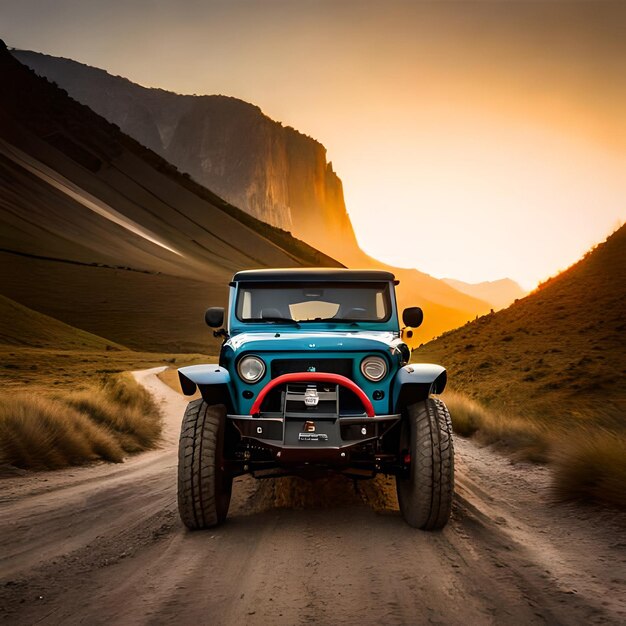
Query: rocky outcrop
{"x": 276, "y": 173}
{"x": 273, "y": 172}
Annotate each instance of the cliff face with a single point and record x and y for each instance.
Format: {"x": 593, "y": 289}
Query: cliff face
{"x": 316, "y": 196}
{"x": 278, "y": 174}
{"x": 273, "y": 172}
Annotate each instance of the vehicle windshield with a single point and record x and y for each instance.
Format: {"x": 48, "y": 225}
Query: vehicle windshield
{"x": 313, "y": 302}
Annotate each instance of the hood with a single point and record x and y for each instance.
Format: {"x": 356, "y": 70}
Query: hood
{"x": 314, "y": 341}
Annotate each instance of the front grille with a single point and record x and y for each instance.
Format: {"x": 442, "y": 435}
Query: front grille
{"x": 331, "y": 366}
{"x": 333, "y": 399}
{"x": 327, "y": 401}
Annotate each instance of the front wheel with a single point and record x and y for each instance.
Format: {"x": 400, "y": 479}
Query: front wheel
{"x": 204, "y": 487}
{"x": 425, "y": 493}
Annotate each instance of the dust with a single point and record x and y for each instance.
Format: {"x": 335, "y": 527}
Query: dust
{"x": 332, "y": 491}
{"x": 380, "y": 494}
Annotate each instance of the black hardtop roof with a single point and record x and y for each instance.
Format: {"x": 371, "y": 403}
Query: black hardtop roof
{"x": 313, "y": 275}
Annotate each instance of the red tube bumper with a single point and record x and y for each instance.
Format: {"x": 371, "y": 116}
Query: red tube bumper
{"x": 313, "y": 377}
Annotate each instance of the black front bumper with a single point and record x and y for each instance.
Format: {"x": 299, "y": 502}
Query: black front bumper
{"x": 301, "y": 435}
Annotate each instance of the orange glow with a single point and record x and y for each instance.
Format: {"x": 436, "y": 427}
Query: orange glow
{"x": 474, "y": 140}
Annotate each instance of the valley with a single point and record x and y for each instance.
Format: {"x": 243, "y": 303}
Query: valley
{"x": 124, "y": 212}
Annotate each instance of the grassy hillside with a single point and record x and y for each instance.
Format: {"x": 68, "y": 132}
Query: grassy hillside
{"x": 66, "y": 397}
{"x": 546, "y": 377}
{"x": 43, "y": 355}
{"x": 21, "y": 326}
{"x": 143, "y": 311}
{"x": 561, "y": 347}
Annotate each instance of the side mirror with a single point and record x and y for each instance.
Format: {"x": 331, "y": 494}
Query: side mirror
{"x": 214, "y": 316}
{"x": 413, "y": 316}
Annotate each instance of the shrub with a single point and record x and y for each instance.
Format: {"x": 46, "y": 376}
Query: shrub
{"x": 42, "y": 433}
{"x": 102, "y": 422}
{"x": 589, "y": 461}
{"x": 591, "y": 465}
{"x": 528, "y": 439}
{"x": 123, "y": 407}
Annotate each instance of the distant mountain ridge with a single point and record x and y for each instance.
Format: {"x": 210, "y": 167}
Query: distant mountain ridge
{"x": 273, "y": 172}
{"x": 499, "y": 293}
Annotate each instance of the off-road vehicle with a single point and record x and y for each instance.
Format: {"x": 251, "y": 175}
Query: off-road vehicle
{"x": 314, "y": 377}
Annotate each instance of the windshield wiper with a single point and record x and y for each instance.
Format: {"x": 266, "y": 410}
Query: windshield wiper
{"x": 276, "y": 320}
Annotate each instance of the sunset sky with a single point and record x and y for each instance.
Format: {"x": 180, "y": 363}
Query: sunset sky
{"x": 475, "y": 140}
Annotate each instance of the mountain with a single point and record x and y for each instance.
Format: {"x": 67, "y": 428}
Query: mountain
{"x": 560, "y": 350}
{"x": 103, "y": 234}
{"x": 273, "y": 172}
{"x": 499, "y": 293}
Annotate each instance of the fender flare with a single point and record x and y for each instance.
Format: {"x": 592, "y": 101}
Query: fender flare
{"x": 415, "y": 382}
{"x": 213, "y": 381}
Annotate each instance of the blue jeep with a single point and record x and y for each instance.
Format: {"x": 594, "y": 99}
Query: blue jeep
{"x": 314, "y": 376}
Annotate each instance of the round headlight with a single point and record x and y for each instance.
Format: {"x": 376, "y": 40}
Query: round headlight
{"x": 373, "y": 368}
{"x": 251, "y": 369}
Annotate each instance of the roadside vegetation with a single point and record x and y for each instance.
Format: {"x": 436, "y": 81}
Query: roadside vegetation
{"x": 589, "y": 461}
{"x": 544, "y": 378}
{"x": 105, "y": 421}
{"x": 66, "y": 397}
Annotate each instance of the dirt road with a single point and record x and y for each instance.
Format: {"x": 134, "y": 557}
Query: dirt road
{"x": 103, "y": 545}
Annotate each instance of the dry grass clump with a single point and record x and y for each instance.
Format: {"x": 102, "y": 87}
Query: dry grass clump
{"x": 589, "y": 462}
{"x": 124, "y": 390}
{"x": 43, "y": 433}
{"x": 467, "y": 414}
{"x": 123, "y": 408}
{"x": 591, "y": 465}
{"x": 529, "y": 439}
{"x": 103, "y": 422}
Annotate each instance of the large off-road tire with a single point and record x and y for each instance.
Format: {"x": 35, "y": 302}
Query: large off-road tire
{"x": 425, "y": 493}
{"x": 204, "y": 487}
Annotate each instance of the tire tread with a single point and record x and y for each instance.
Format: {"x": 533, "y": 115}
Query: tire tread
{"x": 197, "y": 457}
{"x": 426, "y": 496}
